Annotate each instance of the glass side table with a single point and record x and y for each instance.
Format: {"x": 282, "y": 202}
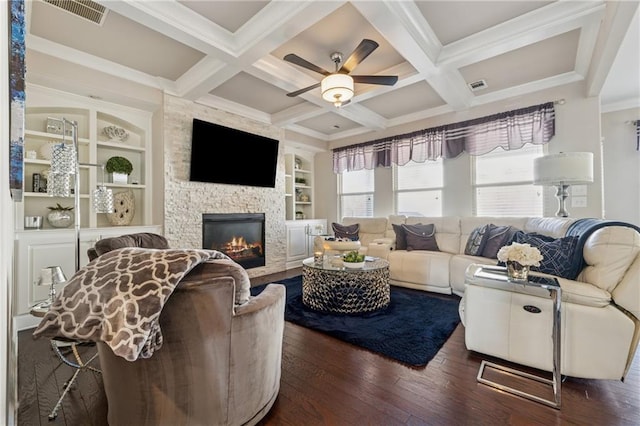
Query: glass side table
{"x": 496, "y": 276}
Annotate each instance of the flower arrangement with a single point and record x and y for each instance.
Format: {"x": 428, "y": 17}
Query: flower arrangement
{"x": 523, "y": 253}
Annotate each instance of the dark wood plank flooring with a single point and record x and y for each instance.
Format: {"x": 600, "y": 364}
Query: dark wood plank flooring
{"x": 329, "y": 382}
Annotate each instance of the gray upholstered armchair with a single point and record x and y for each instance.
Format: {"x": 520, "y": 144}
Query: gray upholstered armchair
{"x": 219, "y": 363}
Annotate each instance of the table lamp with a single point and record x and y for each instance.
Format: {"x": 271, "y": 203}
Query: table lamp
{"x": 562, "y": 170}
{"x": 50, "y": 276}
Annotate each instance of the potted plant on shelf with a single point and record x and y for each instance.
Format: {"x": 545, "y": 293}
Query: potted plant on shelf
{"x": 353, "y": 260}
{"x": 120, "y": 168}
{"x": 60, "y": 216}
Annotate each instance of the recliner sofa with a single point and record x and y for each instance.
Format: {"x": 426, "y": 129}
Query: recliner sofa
{"x": 600, "y": 309}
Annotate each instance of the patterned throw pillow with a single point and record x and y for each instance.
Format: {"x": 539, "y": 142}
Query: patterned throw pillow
{"x": 421, "y": 237}
{"x": 342, "y": 231}
{"x": 401, "y": 237}
{"x": 477, "y": 240}
{"x": 498, "y": 237}
{"x": 557, "y": 254}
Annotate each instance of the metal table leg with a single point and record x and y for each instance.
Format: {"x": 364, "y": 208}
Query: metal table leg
{"x": 79, "y": 365}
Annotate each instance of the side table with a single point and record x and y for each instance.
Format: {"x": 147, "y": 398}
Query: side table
{"x": 79, "y": 365}
{"x": 496, "y": 276}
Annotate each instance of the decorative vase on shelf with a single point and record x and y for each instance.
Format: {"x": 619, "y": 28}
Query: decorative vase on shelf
{"x": 60, "y": 217}
{"x": 516, "y": 271}
{"x": 119, "y": 178}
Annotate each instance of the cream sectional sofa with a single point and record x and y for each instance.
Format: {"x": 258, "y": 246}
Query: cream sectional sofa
{"x": 442, "y": 271}
{"x": 600, "y": 309}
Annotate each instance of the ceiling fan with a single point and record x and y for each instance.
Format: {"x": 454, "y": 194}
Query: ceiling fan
{"x": 337, "y": 87}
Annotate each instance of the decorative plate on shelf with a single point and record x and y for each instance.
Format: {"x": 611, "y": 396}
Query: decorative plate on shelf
{"x": 116, "y": 133}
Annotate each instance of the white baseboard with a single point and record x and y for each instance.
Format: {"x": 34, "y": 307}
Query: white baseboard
{"x": 25, "y": 322}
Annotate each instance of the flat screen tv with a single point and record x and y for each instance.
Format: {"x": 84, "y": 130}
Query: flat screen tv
{"x": 221, "y": 154}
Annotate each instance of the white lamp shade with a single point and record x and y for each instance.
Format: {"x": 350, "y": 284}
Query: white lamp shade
{"x": 565, "y": 168}
{"x": 337, "y": 88}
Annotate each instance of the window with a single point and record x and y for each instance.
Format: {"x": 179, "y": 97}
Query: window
{"x": 418, "y": 188}
{"x": 356, "y": 193}
{"x": 503, "y": 183}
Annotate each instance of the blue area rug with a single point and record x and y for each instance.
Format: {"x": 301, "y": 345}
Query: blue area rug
{"x": 411, "y": 330}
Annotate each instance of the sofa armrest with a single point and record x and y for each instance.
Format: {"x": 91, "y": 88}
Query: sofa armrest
{"x": 379, "y": 249}
{"x": 257, "y": 331}
{"x": 270, "y": 295}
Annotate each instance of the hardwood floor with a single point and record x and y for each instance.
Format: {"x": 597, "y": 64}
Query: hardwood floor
{"x": 328, "y": 382}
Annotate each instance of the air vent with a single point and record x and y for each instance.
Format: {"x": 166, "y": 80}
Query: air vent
{"x": 477, "y": 85}
{"x": 86, "y": 9}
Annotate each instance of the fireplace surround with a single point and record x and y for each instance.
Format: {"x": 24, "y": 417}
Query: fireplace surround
{"x": 239, "y": 235}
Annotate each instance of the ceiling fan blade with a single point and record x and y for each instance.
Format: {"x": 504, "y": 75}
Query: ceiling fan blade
{"x": 363, "y": 50}
{"x": 386, "y": 80}
{"x": 295, "y": 59}
{"x": 301, "y": 91}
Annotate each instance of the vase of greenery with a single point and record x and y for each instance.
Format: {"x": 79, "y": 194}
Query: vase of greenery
{"x": 120, "y": 168}
{"x": 60, "y": 216}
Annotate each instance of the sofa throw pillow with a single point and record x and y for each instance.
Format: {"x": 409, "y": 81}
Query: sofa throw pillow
{"x": 343, "y": 231}
{"x": 557, "y": 254}
{"x": 498, "y": 237}
{"x": 421, "y": 237}
{"x": 401, "y": 237}
{"x": 477, "y": 240}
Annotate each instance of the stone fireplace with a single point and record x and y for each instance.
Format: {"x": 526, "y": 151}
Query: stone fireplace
{"x": 239, "y": 235}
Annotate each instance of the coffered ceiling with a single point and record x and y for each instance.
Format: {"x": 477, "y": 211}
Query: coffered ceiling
{"x": 229, "y": 54}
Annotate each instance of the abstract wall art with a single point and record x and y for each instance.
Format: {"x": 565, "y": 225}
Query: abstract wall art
{"x": 17, "y": 98}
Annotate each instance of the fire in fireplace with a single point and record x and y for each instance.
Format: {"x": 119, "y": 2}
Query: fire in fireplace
{"x": 239, "y": 235}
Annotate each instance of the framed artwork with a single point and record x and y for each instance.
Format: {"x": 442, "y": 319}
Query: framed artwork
{"x": 17, "y": 98}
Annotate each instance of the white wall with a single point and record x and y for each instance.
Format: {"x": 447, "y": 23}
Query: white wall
{"x": 577, "y": 129}
{"x": 621, "y": 166}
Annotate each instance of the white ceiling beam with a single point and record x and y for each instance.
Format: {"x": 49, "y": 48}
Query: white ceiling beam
{"x": 362, "y": 116}
{"x": 613, "y": 30}
{"x": 234, "y": 107}
{"x": 174, "y": 20}
{"x": 586, "y": 44}
{"x": 272, "y": 26}
{"x": 296, "y": 113}
{"x": 405, "y": 28}
{"x": 537, "y": 25}
{"x": 77, "y": 57}
{"x": 207, "y": 72}
{"x": 531, "y": 87}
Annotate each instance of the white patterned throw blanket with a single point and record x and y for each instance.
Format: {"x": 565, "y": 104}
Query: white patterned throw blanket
{"x": 118, "y": 297}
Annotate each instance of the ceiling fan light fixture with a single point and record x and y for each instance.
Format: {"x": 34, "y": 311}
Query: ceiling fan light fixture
{"x": 337, "y": 88}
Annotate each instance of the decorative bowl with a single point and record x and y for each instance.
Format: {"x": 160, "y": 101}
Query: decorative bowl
{"x": 353, "y": 265}
{"x": 116, "y": 133}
